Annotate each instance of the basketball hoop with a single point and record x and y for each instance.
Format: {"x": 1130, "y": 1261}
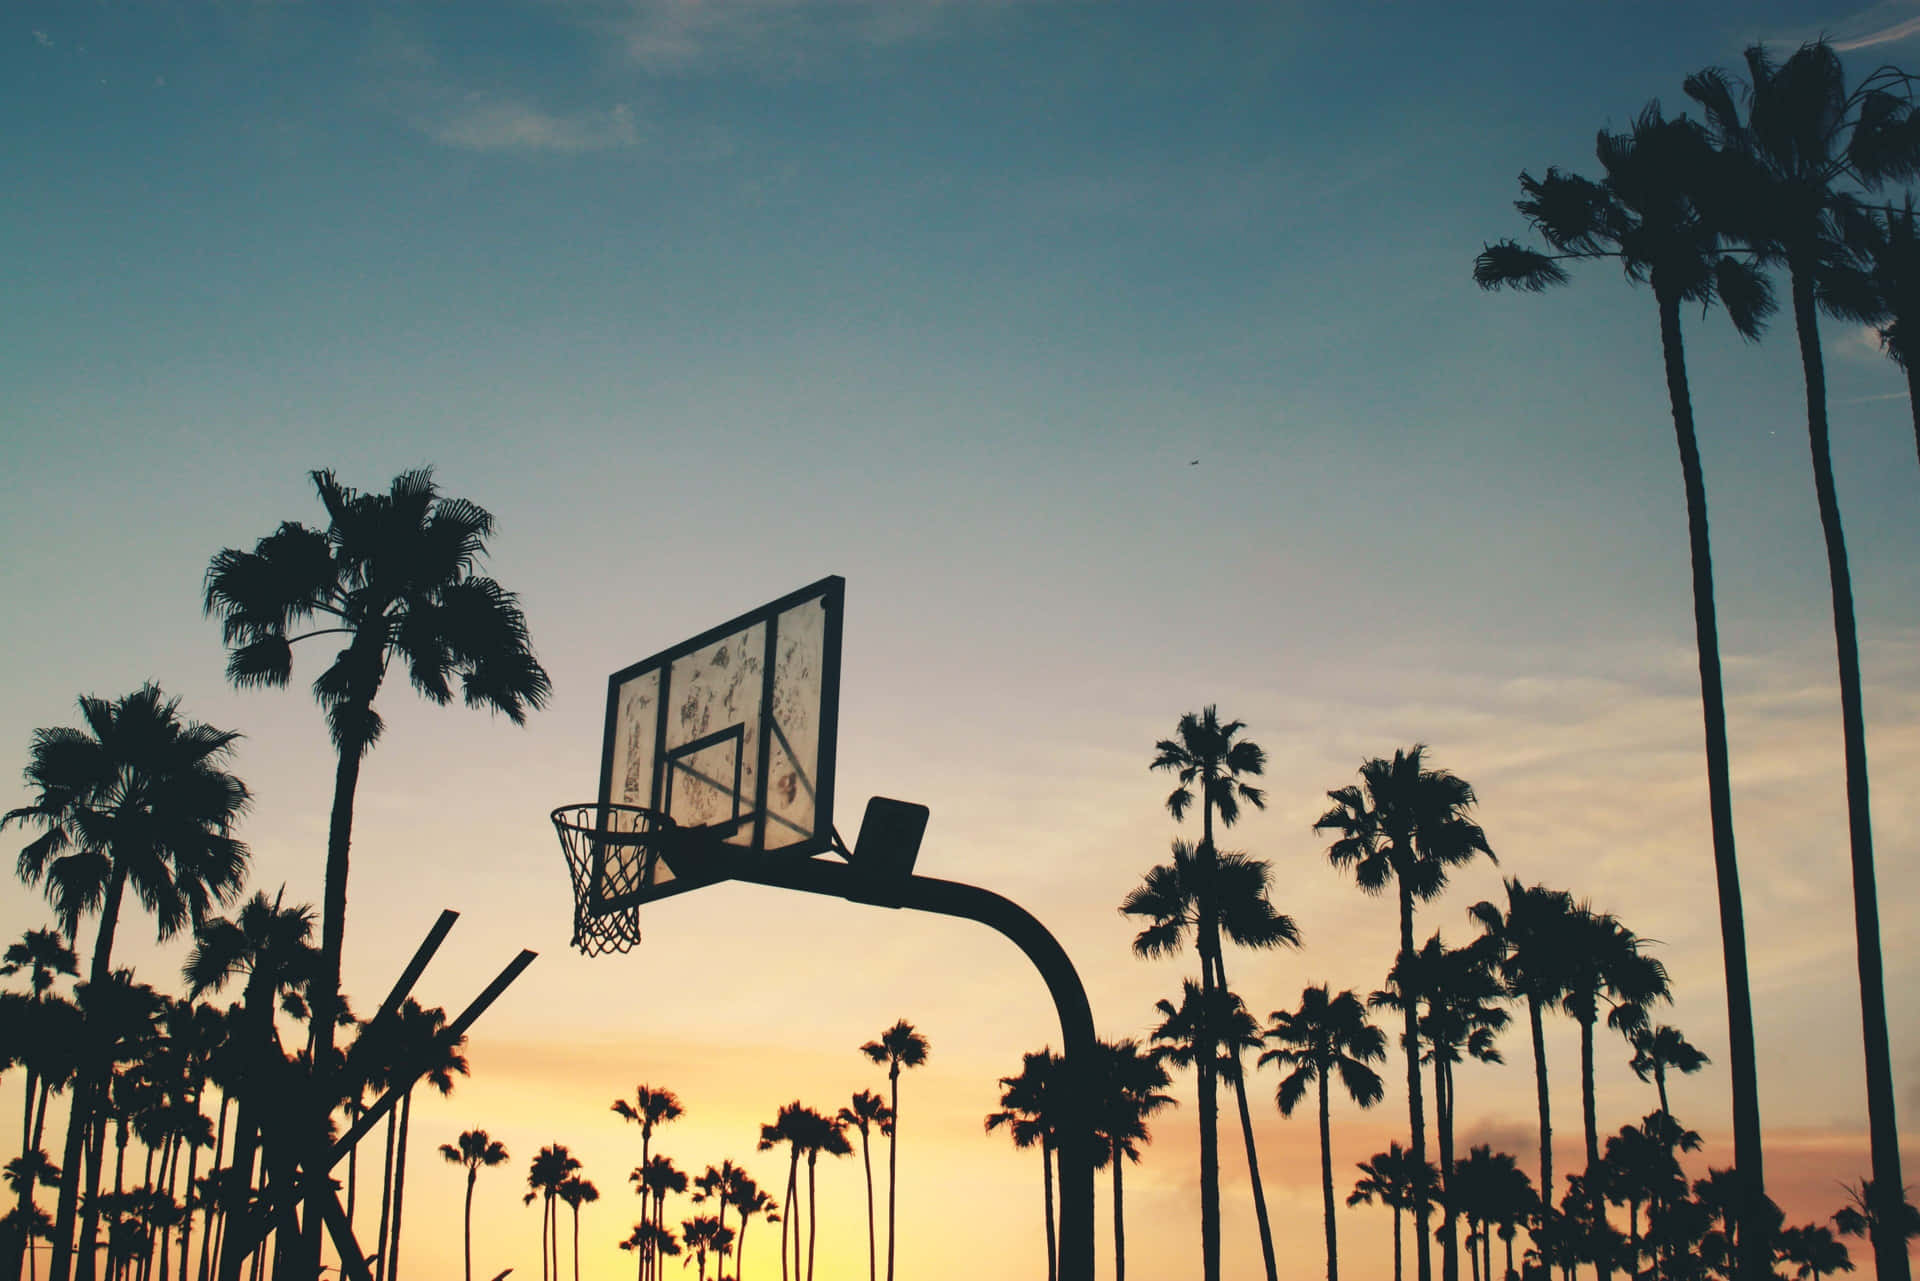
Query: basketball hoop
{"x": 612, "y": 852}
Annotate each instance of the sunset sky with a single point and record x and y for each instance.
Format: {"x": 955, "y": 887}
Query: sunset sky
{"x": 1124, "y": 358}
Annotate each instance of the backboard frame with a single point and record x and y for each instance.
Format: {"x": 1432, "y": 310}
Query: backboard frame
{"x": 715, "y": 858}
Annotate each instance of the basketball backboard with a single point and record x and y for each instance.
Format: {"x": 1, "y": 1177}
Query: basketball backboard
{"x": 730, "y": 733}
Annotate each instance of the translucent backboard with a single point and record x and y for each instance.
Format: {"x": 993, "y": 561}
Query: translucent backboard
{"x": 733, "y": 733}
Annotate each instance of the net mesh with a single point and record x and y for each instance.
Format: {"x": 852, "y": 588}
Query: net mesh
{"x": 625, "y": 842}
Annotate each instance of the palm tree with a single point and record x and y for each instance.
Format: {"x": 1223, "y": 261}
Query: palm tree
{"x": 475, "y": 1148}
{"x": 789, "y": 1128}
{"x": 394, "y": 574}
{"x": 1813, "y": 1251}
{"x": 138, "y": 798}
{"x": 654, "y": 1181}
{"x": 722, "y": 1185}
{"x": 650, "y": 1108}
{"x": 704, "y": 1235}
{"x": 43, "y": 955}
{"x": 544, "y": 1176}
{"x": 1405, "y": 825}
{"x": 576, "y": 1192}
{"x": 813, "y": 1134}
{"x": 650, "y": 1242}
{"x": 1174, "y": 897}
{"x": 899, "y": 1046}
{"x": 867, "y": 1112}
{"x": 1127, "y": 1095}
{"x": 1027, "y": 1110}
{"x": 1805, "y": 139}
{"x": 1326, "y": 1035}
{"x": 750, "y": 1200}
{"x": 1861, "y": 1216}
{"x": 1530, "y": 939}
{"x": 1208, "y": 755}
{"x": 1391, "y": 1178}
{"x": 1609, "y": 967}
{"x": 1877, "y": 281}
{"x": 1655, "y": 1049}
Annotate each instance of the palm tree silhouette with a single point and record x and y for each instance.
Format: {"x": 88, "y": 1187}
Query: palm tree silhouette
{"x": 899, "y": 1046}
{"x": 1208, "y": 755}
{"x": 1404, "y": 825}
{"x": 1804, "y": 139}
{"x": 704, "y": 1235}
{"x": 1128, "y": 1094}
{"x": 1655, "y": 1049}
{"x": 1813, "y": 1251}
{"x": 866, "y": 1112}
{"x": 654, "y": 1181}
{"x": 1491, "y": 1190}
{"x": 1326, "y": 1035}
{"x": 1174, "y": 897}
{"x": 722, "y": 1185}
{"x": 1390, "y": 1178}
{"x": 1860, "y": 1217}
{"x": 750, "y": 1200}
{"x": 43, "y": 955}
{"x": 545, "y": 1174}
{"x": 1875, "y": 279}
{"x": 475, "y": 1148}
{"x": 650, "y": 1108}
{"x": 138, "y": 798}
{"x": 394, "y": 574}
{"x": 1027, "y": 1110}
{"x": 1531, "y": 939}
{"x": 576, "y": 1192}
{"x": 789, "y": 1128}
{"x": 650, "y": 1242}
{"x": 814, "y": 1134}
{"x": 424, "y": 1044}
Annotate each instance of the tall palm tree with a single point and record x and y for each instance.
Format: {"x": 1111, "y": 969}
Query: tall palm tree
{"x": 576, "y": 1192}
{"x": 1530, "y": 939}
{"x": 1655, "y": 1049}
{"x": 1390, "y": 1178}
{"x": 138, "y": 798}
{"x": 650, "y": 1108}
{"x": 1212, "y": 761}
{"x": 1405, "y": 825}
{"x": 1174, "y": 897}
{"x": 427, "y": 1046}
{"x": 1647, "y": 212}
{"x": 1610, "y": 968}
{"x": 474, "y": 1149}
{"x": 545, "y": 1174}
{"x": 395, "y": 575}
{"x": 43, "y": 955}
{"x": 721, "y": 1184}
{"x": 899, "y": 1046}
{"x": 789, "y": 1127}
{"x": 1027, "y": 1109}
{"x": 1127, "y": 1095}
{"x": 1327, "y": 1035}
{"x": 814, "y": 1134}
{"x": 867, "y": 1112}
{"x": 750, "y": 1200}
{"x": 1806, "y": 143}
{"x": 654, "y": 1181}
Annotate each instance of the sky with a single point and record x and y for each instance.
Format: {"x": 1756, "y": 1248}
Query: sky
{"x": 1124, "y": 359}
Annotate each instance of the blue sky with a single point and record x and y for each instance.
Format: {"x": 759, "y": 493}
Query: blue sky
{"x": 707, "y": 299}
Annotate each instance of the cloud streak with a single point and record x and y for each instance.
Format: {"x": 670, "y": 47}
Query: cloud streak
{"x": 506, "y": 125}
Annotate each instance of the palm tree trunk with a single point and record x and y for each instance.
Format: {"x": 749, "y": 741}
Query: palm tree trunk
{"x": 186, "y": 1219}
{"x": 400, "y": 1182}
{"x": 24, "y": 1238}
{"x": 873, "y": 1253}
{"x": 466, "y": 1222}
{"x": 381, "y": 1269}
{"x": 786, "y": 1216}
{"x": 1596, "y": 1178}
{"x": 1119, "y": 1222}
{"x": 893, "y": 1166}
{"x": 1540, "y": 1093}
{"x": 1396, "y": 1244}
{"x": 1416, "y": 1113}
{"x": 1203, "y": 1063}
{"x": 1889, "y": 1246}
{"x": 1326, "y": 1179}
{"x": 813, "y": 1212}
{"x": 1443, "y": 1119}
{"x": 211, "y": 1208}
{"x": 1748, "y": 1159}
{"x": 1246, "y": 1131}
{"x": 88, "y": 1245}
{"x": 576, "y": 1243}
{"x": 62, "y": 1264}
{"x": 1046, "y": 1187}
{"x": 1913, "y": 405}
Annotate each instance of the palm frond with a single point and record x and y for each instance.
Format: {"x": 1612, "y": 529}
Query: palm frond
{"x": 1507, "y": 264}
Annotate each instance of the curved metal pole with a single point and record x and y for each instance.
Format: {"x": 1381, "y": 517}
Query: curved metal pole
{"x": 970, "y": 902}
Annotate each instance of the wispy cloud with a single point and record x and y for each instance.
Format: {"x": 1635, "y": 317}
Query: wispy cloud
{"x": 1880, "y": 31}
{"x": 686, "y": 35}
{"x": 42, "y": 39}
{"x": 494, "y": 124}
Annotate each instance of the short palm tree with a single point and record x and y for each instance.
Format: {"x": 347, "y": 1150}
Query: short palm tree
{"x": 1027, "y": 1111}
{"x": 867, "y": 1112}
{"x": 395, "y": 576}
{"x": 1212, "y": 762}
{"x": 1656, "y": 1049}
{"x": 138, "y": 798}
{"x": 649, "y": 1241}
{"x": 704, "y": 1235}
{"x": 545, "y": 1174}
{"x": 1391, "y": 1179}
{"x": 1405, "y": 825}
{"x": 1806, "y": 145}
{"x": 1327, "y": 1036}
{"x": 474, "y": 1149}
{"x": 1812, "y": 1251}
{"x": 899, "y": 1046}
{"x": 1127, "y": 1096}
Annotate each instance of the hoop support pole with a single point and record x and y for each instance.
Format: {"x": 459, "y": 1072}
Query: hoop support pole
{"x": 972, "y": 903}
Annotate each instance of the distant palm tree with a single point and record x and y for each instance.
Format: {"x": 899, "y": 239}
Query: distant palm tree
{"x": 1208, "y": 757}
{"x": 814, "y": 1134}
{"x": 749, "y": 1201}
{"x": 475, "y": 1149}
{"x": 43, "y": 955}
{"x": 1655, "y": 1049}
{"x": 394, "y": 575}
{"x": 1326, "y": 1035}
{"x": 1531, "y": 940}
{"x": 866, "y": 1112}
{"x": 424, "y": 1044}
{"x": 1812, "y": 1251}
{"x": 789, "y": 1127}
{"x": 899, "y": 1046}
{"x": 1027, "y": 1110}
{"x": 650, "y": 1108}
{"x": 547, "y": 1172}
{"x": 720, "y": 1184}
{"x": 138, "y": 798}
{"x": 650, "y": 1242}
{"x": 1390, "y": 1178}
{"x": 1490, "y": 1189}
{"x": 1609, "y": 968}
{"x": 1877, "y": 281}
{"x": 1170, "y": 897}
{"x": 1128, "y": 1094}
{"x": 654, "y": 1181}
{"x": 704, "y": 1235}
{"x": 1805, "y": 144}
{"x": 576, "y": 1192}
{"x": 1405, "y": 825}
